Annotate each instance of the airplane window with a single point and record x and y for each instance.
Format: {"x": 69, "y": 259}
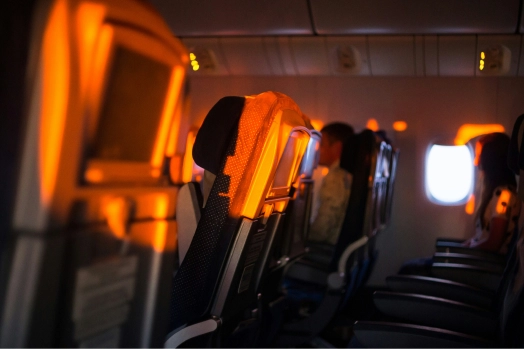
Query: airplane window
{"x": 449, "y": 174}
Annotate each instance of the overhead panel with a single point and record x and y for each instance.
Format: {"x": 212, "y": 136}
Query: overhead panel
{"x": 274, "y": 57}
{"x": 339, "y": 17}
{"x": 420, "y": 69}
{"x": 348, "y": 55}
{"x": 392, "y": 55}
{"x": 213, "y": 61}
{"x": 235, "y": 17}
{"x": 506, "y": 47}
{"x": 286, "y": 55}
{"x": 245, "y": 56}
{"x": 430, "y": 55}
{"x": 520, "y": 70}
{"x": 456, "y": 55}
{"x": 310, "y": 55}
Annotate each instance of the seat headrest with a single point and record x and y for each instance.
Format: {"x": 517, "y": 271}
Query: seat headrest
{"x": 215, "y": 134}
{"x": 348, "y": 157}
{"x": 514, "y": 158}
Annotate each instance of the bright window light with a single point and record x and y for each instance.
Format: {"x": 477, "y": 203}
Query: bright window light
{"x": 449, "y": 174}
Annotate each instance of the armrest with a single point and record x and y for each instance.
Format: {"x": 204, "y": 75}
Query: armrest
{"x": 441, "y": 288}
{"x": 392, "y": 335}
{"x": 461, "y": 258}
{"x": 449, "y": 242}
{"x": 472, "y": 251}
{"x": 437, "y": 312}
{"x": 308, "y": 271}
{"x": 485, "y": 278}
{"x": 179, "y": 336}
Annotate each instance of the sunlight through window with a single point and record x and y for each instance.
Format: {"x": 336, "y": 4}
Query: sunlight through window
{"x": 449, "y": 174}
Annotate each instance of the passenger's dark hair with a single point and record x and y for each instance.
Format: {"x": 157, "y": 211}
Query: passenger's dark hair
{"x": 338, "y": 131}
{"x": 493, "y": 161}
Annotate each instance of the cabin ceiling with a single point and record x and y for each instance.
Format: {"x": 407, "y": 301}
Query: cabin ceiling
{"x": 189, "y": 18}
{"x": 347, "y": 37}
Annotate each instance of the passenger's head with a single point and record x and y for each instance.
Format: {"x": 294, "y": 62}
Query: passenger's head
{"x": 493, "y": 160}
{"x": 333, "y": 137}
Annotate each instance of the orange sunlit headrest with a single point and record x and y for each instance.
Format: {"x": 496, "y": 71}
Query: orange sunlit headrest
{"x": 214, "y": 136}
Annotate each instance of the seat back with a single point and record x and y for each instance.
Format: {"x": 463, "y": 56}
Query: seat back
{"x": 292, "y": 243}
{"x": 361, "y": 157}
{"x": 92, "y": 229}
{"x": 510, "y": 294}
{"x": 254, "y": 146}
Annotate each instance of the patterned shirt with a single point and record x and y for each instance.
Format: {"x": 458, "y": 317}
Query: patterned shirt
{"x": 504, "y": 203}
{"x": 332, "y": 202}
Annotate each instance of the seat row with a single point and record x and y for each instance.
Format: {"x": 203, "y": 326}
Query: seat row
{"x": 472, "y": 298}
{"x": 103, "y": 248}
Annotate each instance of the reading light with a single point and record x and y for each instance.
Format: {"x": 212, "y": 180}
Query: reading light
{"x": 372, "y": 124}
{"x": 400, "y": 126}
{"x": 192, "y": 56}
{"x": 449, "y": 174}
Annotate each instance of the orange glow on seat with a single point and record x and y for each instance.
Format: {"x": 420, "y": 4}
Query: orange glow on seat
{"x": 317, "y": 124}
{"x": 503, "y": 202}
{"x": 325, "y": 171}
{"x": 116, "y": 211}
{"x": 468, "y": 131}
{"x": 159, "y": 240}
{"x": 173, "y": 93}
{"x": 89, "y": 20}
{"x": 470, "y": 205}
{"x": 478, "y": 150}
{"x": 160, "y": 212}
{"x": 55, "y": 87}
{"x": 372, "y": 124}
{"x": 94, "y": 175}
{"x": 187, "y": 166}
{"x": 400, "y": 126}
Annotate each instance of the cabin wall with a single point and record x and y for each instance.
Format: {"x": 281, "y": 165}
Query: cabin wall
{"x": 434, "y": 108}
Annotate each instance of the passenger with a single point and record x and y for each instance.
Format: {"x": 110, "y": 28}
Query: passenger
{"x": 335, "y": 188}
{"x": 499, "y": 208}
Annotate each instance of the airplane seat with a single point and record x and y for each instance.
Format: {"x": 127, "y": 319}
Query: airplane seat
{"x": 467, "y": 286}
{"x": 460, "y": 320}
{"x": 253, "y": 147}
{"x": 188, "y": 211}
{"x": 92, "y": 223}
{"x": 334, "y": 282}
{"x": 296, "y": 221}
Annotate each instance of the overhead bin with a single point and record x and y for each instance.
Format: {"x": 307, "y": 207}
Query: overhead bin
{"x": 236, "y": 17}
{"x": 357, "y": 17}
{"x": 365, "y": 55}
{"x": 392, "y": 55}
{"x": 456, "y": 55}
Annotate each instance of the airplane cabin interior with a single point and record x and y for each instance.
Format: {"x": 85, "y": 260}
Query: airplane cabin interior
{"x": 164, "y": 173}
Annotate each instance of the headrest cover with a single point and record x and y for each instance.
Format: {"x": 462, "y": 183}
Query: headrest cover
{"x": 215, "y": 134}
{"x": 514, "y": 146}
{"x": 348, "y": 157}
